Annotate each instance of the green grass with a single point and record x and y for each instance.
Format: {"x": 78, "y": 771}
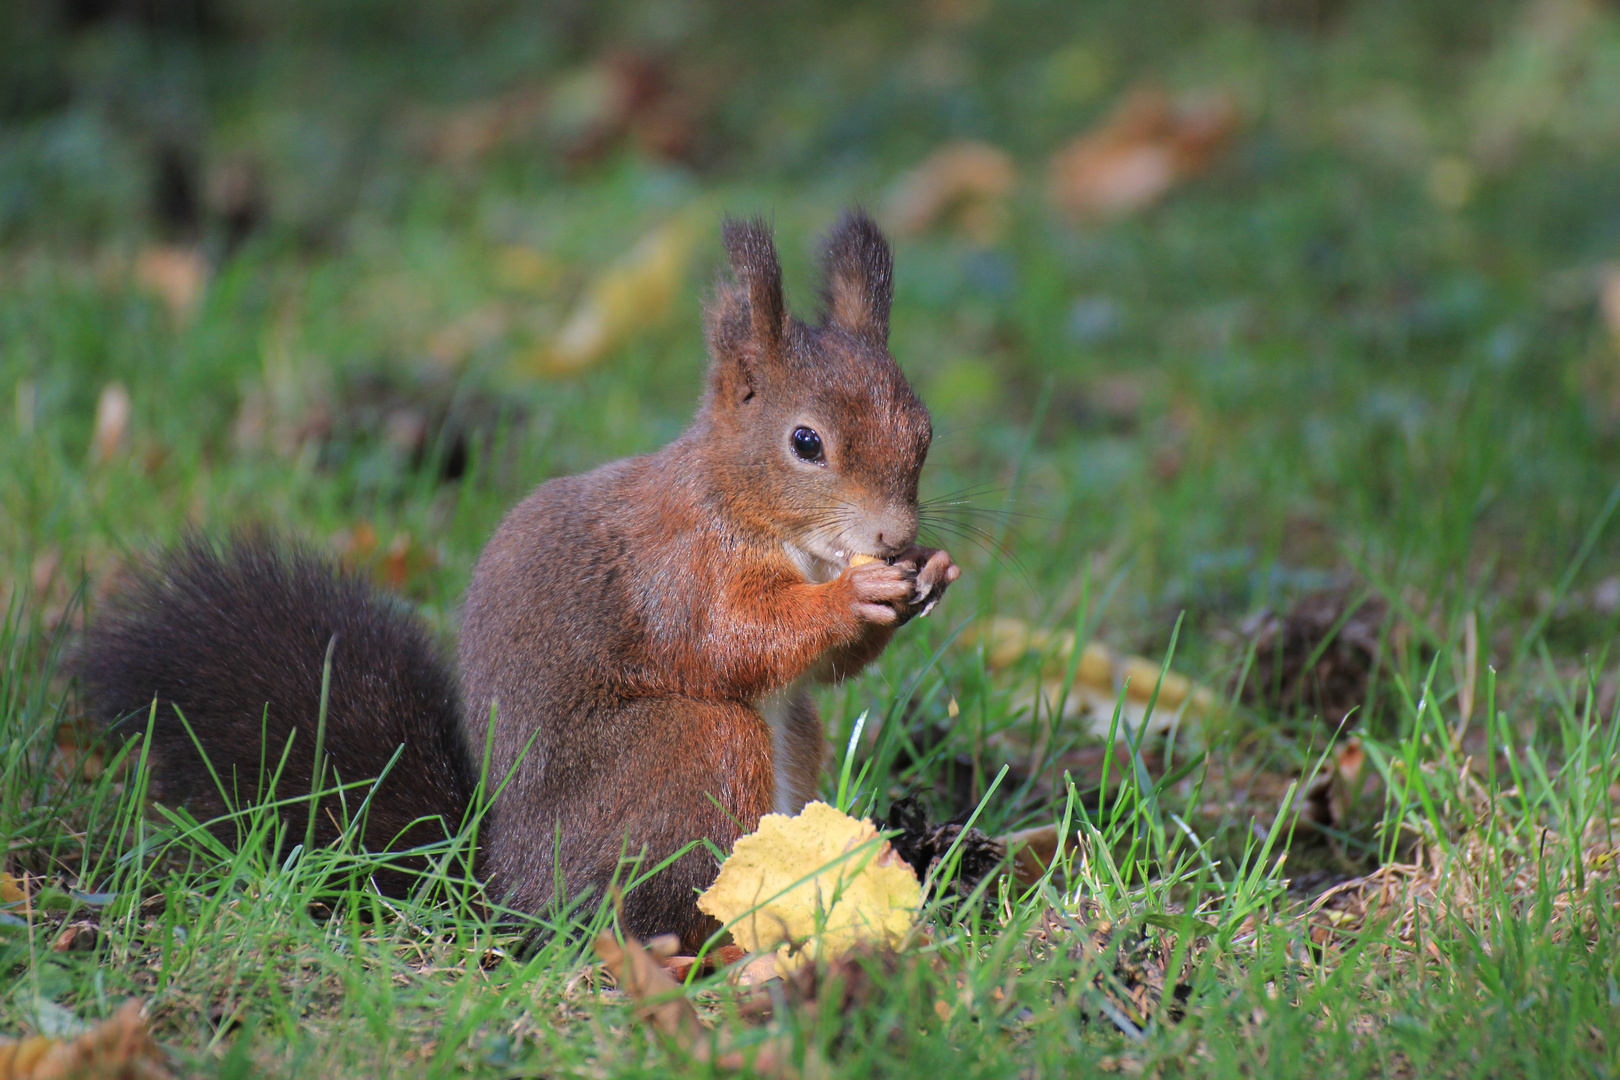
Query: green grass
{"x": 1302, "y": 369}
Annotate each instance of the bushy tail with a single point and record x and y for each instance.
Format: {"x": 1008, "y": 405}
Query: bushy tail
{"x": 234, "y": 638}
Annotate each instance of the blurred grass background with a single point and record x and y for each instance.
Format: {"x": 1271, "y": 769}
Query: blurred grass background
{"x": 369, "y": 271}
{"x": 1365, "y": 334}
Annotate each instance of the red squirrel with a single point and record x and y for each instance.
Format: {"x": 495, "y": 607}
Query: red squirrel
{"x": 646, "y": 634}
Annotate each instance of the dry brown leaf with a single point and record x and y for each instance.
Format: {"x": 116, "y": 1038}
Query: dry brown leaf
{"x": 75, "y": 937}
{"x": 1033, "y": 850}
{"x": 967, "y": 181}
{"x": 839, "y": 987}
{"x": 633, "y": 294}
{"x": 757, "y": 972}
{"x": 176, "y": 275}
{"x": 112, "y": 423}
{"x": 821, "y": 879}
{"x": 680, "y": 967}
{"x": 1147, "y": 145}
{"x": 118, "y": 1048}
{"x": 641, "y": 972}
{"x": 404, "y": 560}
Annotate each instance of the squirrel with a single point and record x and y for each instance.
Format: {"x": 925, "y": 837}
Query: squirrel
{"x": 638, "y": 643}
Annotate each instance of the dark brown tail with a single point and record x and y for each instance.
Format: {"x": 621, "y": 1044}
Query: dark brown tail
{"x": 234, "y": 638}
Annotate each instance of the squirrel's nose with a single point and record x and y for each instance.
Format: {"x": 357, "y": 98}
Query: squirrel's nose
{"x": 893, "y": 530}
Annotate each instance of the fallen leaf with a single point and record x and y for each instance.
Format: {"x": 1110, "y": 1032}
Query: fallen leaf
{"x": 1034, "y": 850}
{"x": 357, "y": 543}
{"x": 1100, "y": 677}
{"x": 112, "y": 423}
{"x": 11, "y": 890}
{"x": 75, "y": 937}
{"x": 641, "y": 972}
{"x": 176, "y": 275}
{"x": 404, "y": 560}
{"x": 633, "y": 294}
{"x": 1609, "y": 299}
{"x": 821, "y": 880}
{"x": 966, "y": 181}
{"x": 680, "y": 967}
{"x": 1146, "y": 146}
{"x": 119, "y": 1048}
{"x": 757, "y": 972}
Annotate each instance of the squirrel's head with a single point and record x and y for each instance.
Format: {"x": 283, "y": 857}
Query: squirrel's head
{"x": 817, "y": 437}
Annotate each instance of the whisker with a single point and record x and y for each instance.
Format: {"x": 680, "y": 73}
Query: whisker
{"x": 995, "y": 549}
{"x": 989, "y": 487}
{"x": 991, "y": 511}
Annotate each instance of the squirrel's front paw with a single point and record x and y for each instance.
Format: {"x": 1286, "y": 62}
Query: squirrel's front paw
{"x": 934, "y": 571}
{"x": 883, "y": 593}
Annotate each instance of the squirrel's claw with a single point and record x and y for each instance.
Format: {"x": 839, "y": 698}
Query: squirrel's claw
{"x": 934, "y": 570}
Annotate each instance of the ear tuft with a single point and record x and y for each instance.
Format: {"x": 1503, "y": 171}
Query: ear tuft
{"x": 758, "y": 273}
{"x": 859, "y": 281}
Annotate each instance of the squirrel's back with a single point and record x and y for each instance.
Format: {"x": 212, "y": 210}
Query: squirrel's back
{"x": 235, "y": 638}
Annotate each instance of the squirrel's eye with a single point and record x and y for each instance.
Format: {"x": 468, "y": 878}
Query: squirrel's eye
{"x": 807, "y": 445}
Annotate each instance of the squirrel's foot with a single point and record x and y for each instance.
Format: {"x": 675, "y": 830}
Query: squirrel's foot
{"x": 934, "y": 570}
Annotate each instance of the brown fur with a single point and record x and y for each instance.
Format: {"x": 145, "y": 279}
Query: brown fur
{"x": 668, "y": 603}
{"x": 234, "y": 640}
{"x": 647, "y": 633}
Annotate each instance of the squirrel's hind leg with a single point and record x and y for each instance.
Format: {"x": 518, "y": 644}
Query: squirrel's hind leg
{"x": 684, "y": 770}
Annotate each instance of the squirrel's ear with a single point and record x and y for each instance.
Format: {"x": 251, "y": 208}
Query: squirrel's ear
{"x": 749, "y": 316}
{"x": 859, "y": 282}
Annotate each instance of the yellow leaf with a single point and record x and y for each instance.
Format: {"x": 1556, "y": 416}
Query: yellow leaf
{"x": 11, "y": 890}
{"x": 118, "y": 1047}
{"x": 629, "y": 296}
{"x": 1098, "y": 677}
{"x": 17, "y": 1059}
{"x": 821, "y": 879}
